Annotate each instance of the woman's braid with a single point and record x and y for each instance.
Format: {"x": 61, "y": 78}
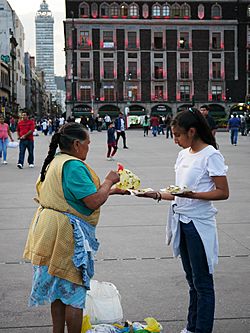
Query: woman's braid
{"x": 51, "y": 153}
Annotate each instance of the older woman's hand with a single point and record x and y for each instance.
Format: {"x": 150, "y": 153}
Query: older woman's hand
{"x": 113, "y": 176}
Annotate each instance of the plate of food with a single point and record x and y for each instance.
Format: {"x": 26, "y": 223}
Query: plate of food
{"x": 175, "y": 189}
{"x": 141, "y": 191}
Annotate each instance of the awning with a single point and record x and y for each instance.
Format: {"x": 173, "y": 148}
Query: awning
{"x": 161, "y": 110}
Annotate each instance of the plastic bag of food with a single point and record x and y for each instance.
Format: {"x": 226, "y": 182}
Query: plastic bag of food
{"x": 128, "y": 180}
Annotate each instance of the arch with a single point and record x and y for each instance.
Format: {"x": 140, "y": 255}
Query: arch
{"x": 185, "y": 10}
{"x": 156, "y": 10}
{"x": 114, "y": 9}
{"x": 161, "y": 110}
{"x": 110, "y": 109}
{"x": 165, "y": 10}
{"x": 104, "y": 10}
{"x": 216, "y": 11}
{"x": 217, "y": 110}
{"x": 133, "y": 10}
{"x": 184, "y": 107}
{"x": 83, "y": 10}
{"x": 124, "y": 9}
{"x": 176, "y": 10}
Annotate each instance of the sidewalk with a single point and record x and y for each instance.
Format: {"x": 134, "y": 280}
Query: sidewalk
{"x": 133, "y": 254}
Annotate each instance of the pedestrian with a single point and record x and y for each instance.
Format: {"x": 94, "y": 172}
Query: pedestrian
{"x": 192, "y": 225}
{"x": 161, "y": 126}
{"x": 5, "y": 133}
{"x": 61, "y": 121}
{"x": 168, "y": 121}
{"x": 91, "y": 123}
{"x": 120, "y": 127}
{"x": 234, "y": 126}
{"x": 25, "y": 129}
{"x": 12, "y": 124}
{"x": 112, "y": 148}
{"x": 61, "y": 242}
{"x": 107, "y": 120}
{"x": 84, "y": 121}
{"x": 146, "y": 125}
{"x": 45, "y": 126}
{"x": 154, "y": 121}
{"x": 204, "y": 109}
{"x": 50, "y": 126}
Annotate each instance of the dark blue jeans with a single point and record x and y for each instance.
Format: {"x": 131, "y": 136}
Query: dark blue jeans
{"x": 234, "y": 135}
{"x": 23, "y": 145}
{"x": 201, "y": 287}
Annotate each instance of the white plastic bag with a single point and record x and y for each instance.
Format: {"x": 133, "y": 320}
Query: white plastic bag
{"x": 12, "y": 144}
{"x": 103, "y": 303}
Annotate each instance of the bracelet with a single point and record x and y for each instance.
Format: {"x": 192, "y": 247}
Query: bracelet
{"x": 158, "y": 196}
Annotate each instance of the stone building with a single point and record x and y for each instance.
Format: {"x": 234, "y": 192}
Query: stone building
{"x": 156, "y": 56}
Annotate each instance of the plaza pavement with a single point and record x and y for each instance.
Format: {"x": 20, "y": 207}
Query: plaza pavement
{"x": 133, "y": 254}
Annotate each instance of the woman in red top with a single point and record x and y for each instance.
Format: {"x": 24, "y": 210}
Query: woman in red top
{"x": 4, "y": 134}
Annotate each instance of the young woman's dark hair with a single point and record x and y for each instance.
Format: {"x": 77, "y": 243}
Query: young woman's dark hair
{"x": 194, "y": 118}
{"x": 64, "y": 138}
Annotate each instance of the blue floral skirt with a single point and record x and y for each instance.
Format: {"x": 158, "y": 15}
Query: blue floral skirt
{"x": 47, "y": 288}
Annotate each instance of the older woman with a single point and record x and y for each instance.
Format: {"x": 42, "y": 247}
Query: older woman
{"x": 61, "y": 241}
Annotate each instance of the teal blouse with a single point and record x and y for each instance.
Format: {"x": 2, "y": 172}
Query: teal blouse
{"x": 77, "y": 184}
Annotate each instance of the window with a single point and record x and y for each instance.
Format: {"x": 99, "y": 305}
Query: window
{"x": 133, "y": 10}
{"x": 176, "y": 10}
{"x": 156, "y": 11}
{"x": 184, "y": 40}
{"x": 132, "y": 92}
{"x": 185, "y": 93}
{"x": 132, "y": 69}
{"x": 85, "y": 69}
{"x": 216, "y": 40}
{"x": 132, "y": 55}
{"x": 84, "y": 39}
{"x": 158, "y": 40}
{"x": 216, "y": 70}
{"x": 108, "y": 69}
{"x": 159, "y": 92}
{"x": 108, "y": 39}
{"x": 216, "y": 11}
{"x": 185, "y": 10}
{"x": 108, "y": 55}
{"x": 109, "y": 93}
{"x": 184, "y": 70}
{"x": 94, "y": 9}
{"x": 165, "y": 10}
{"x": 104, "y": 10}
{"x": 132, "y": 40}
{"x": 201, "y": 12}
{"x": 85, "y": 93}
{"x": 124, "y": 10}
{"x": 216, "y": 93}
{"x": 114, "y": 10}
{"x": 84, "y": 9}
{"x": 158, "y": 70}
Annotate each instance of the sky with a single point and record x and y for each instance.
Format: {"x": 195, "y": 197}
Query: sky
{"x": 26, "y": 11}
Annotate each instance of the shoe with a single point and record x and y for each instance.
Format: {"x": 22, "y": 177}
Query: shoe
{"x": 19, "y": 165}
{"x": 235, "y": 144}
{"x": 109, "y": 159}
{"x": 185, "y": 331}
{"x": 5, "y": 162}
{"x": 125, "y": 147}
{"x": 31, "y": 165}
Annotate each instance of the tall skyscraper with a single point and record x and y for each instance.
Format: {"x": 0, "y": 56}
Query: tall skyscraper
{"x": 45, "y": 45}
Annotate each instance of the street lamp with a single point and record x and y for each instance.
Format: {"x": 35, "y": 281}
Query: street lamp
{"x": 73, "y": 90}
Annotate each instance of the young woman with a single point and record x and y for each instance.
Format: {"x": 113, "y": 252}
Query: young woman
{"x": 61, "y": 241}
{"x": 4, "y": 135}
{"x": 192, "y": 225}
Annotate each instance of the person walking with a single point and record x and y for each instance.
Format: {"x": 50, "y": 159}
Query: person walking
{"x": 234, "y": 126}
{"x": 107, "y": 120}
{"x": 25, "y": 129}
{"x": 168, "y": 121}
{"x": 112, "y": 148}
{"x": 120, "y": 127}
{"x": 145, "y": 125}
{"x": 191, "y": 225}
{"x": 5, "y": 133}
{"x": 61, "y": 241}
{"x": 204, "y": 109}
{"x": 154, "y": 121}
